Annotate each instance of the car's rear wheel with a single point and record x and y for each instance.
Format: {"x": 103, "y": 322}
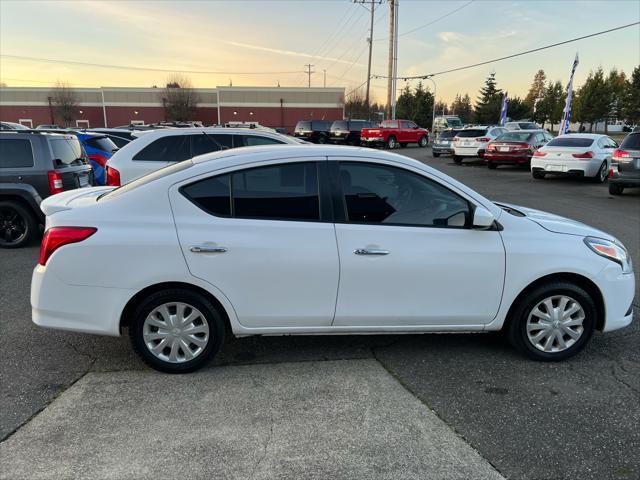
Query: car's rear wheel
{"x": 602, "y": 174}
{"x": 423, "y": 141}
{"x": 615, "y": 188}
{"x": 17, "y": 225}
{"x": 176, "y": 330}
{"x": 457, "y": 159}
{"x": 435, "y": 155}
{"x": 537, "y": 175}
{"x": 391, "y": 142}
{"x": 491, "y": 165}
{"x": 553, "y": 321}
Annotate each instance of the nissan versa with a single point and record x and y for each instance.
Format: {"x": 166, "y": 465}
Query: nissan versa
{"x": 284, "y": 240}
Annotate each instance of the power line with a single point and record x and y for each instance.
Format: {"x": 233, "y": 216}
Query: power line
{"x": 415, "y": 77}
{"x": 429, "y": 23}
{"x": 146, "y": 69}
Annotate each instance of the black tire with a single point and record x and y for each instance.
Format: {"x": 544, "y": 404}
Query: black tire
{"x": 615, "y": 188}
{"x": 537, "y": 175}
{"x": 17, "y": 225}
{"x": 210, "y": 315}
{"x": 322, "y": 139}
{"x": 492, "y": 166}
{"x": 391, "y": 142}
{"x": 423, "y": 142}
{"x": 457, "y": 159}
{"x": 517, "y": 327}
{"x": 602, "y": 174}
{"x": 435, "y": 155}
{"x": 403, "y": 145}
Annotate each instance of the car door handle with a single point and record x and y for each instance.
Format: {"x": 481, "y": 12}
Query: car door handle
{"x": 371, "y": 251}
{"x": 207, "y": 249}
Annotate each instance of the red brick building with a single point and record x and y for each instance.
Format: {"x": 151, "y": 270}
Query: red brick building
{"x": 113, "y": 107}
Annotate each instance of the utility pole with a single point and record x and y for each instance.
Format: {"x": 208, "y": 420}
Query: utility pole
{"x": 395, "y": 58}
{"x": 390, "y": 87}
{"x": 309, "y": 72}
{"x": 372, "y": 8}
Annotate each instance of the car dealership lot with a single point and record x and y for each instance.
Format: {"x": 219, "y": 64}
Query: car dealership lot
{"x": 574, "y": 419}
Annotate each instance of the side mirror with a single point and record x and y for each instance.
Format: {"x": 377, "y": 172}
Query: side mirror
{"x": 482, "y": 218}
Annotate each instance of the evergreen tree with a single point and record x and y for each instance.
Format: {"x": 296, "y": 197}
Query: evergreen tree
{"x": 518, "y": 109}
{"x": 550, "y": 108}
{"x": 631, "y": 107}
{"x": 617, "y": 88}
{"x": 404, "y": 103}
{"x": 536, "y": 92}
{"x": 489, "y": 101}
{"x": 422, "y": 106}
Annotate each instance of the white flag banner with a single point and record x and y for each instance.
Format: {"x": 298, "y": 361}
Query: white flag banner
{"x": 566, "y": 113}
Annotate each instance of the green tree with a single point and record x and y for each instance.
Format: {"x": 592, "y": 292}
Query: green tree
{"x": 536, "y": 92}
{"x": 489, "y": 100}
{"x": 462, "y": 107}
{"x": 404, "y": 103}
{"x": 518, "y": 109}
{"x": 631, "y": 106}
{"x": 442, "y": 108}
{"x": 422, "y": 107}
{"x": 593, "y": 99}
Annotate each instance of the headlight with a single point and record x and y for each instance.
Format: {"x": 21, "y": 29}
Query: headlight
{"x": 611, "y": 250}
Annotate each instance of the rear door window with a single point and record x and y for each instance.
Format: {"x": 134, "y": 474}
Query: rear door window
{"x": 201, "y": 144}
{"x": 390, "y": 124}
{"x": 254, "y": 140}
{"x": 15, "y": 153}
{"x": 172, "y": 148}
{"x": 213, "y": 195}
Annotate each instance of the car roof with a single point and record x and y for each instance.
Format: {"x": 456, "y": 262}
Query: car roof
{"x": 163, "y": 132}
{"x": 593, "y": 136}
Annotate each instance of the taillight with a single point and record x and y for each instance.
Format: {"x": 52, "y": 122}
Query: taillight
{"x": 491, "y": 146}
{"x": 56, "y": 237}
{"x": 55, "y": 182}
{"x": 611, "y": 173}
{"x": 521, "y": 146}
{"x": 539, "y": 153}
{"x": 99, "y": 159}
{"x": 618, "y": 153}
{"x": 588, "y": 154}
{"x": 483, "y": 139}
{"x": 113, "y": 177}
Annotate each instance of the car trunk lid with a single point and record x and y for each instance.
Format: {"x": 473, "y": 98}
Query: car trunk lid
{"x": 72, "y": 199}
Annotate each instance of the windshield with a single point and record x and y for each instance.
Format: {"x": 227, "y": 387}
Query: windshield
{"x": 303, "y": 125}
{"x": 514, "y": 137}
{"x": 471, "y": 132}
{"x": 339, "y": 125}
{"x": 579, "y": 142}
{"x": 66, "y": 150}
{"x": 161, "y": 173}
{"x": 454, "y": 122}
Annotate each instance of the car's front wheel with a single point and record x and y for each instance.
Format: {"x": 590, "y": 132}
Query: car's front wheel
{"x": 553, "y": 321}
{"x": 176, "y": 330}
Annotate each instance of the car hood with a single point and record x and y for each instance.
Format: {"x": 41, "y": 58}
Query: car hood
{"x": 557, "y": 224}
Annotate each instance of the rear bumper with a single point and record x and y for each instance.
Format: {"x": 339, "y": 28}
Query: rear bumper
{"x": 625, "y": 180}
{"x": 76, "y": 308}
{"x": 468, "y": 151}
{"x": 443, "y": 150}
{"x": 511, "y": 158}
{"x": 372, "y": 140}
{"x": 586, "y": 168}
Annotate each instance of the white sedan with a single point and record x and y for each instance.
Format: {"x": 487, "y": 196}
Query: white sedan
{"x": 296, "y": 240}
{"x": 581, "y": 154}
{"x": 472, "y": 142}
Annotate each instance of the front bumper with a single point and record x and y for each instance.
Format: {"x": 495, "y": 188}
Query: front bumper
{"x": 76, "y": 308}
{"x": 618, "y": 291}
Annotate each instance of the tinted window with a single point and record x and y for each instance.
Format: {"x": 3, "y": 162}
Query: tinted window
{"x": 66, "y": 150}
{"x": 253, "y": 140}
{"x": 379, "y": 194}
{"x": 213, "y": 195}
{"x": 570, "y": 142}
{"x": 119, "y": 141}
{"x": 471, "y": 132}
{"x": 15, "y": 153}
{"x": 405, "y": 124}
{"x": 357, "y": 125}
{"x": 454, "y": 122}
{"x": 303, "y": 125}
{"x": 448, "y": 133}
{"x": 284, "y": 192}
{"x": 514, "y": 137}
{"x": 172, "y": 148}
{"x": 528, "y": 126}
{"x": 101, "y": 143}
{"x": 631, "y": 142}
{"x": 339, "y": 125}
{"x": 321, "y": 125}
{"x": 201, "y": 144}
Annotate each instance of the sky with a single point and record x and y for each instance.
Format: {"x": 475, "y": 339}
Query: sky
{"x": 268, "y": 42}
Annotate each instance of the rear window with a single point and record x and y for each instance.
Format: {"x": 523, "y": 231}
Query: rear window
{"x": 448, "y": 133}
{"x": 514, "y": 137}
{"x": 454, "y": 122}
{"x": 472, "y": 132}
{"x": 161, "y": 173}
{"x": 101, "y": 143}
{"x": 631, "y": 142}
{"x": 390, "y": 124}
{"x": 527, "y": 126}
{"x": 303, "y": 125}
{"x": 15, "y": 153}
{"x": 67, "y": 151}
{"x": 570, "y": 142}
{"x": 339, "y": 125}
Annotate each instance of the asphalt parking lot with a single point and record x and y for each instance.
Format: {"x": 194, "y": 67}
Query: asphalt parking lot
{"x": 331, "y": 407}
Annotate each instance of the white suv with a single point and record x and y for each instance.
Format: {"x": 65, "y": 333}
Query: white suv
{"x": 155, "y": 149}
{"x": 472, "y": 142}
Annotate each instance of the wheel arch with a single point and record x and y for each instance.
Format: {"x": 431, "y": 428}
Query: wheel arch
{"x": 129, "y": 308}
{"x": 583, "y": 282}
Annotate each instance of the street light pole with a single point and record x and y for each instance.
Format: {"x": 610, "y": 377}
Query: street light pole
{"x": 433, "y": 118}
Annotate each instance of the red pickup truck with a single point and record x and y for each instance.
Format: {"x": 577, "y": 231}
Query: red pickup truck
{"x": 394, "y": 132}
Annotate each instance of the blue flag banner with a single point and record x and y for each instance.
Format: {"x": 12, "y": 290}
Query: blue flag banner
{"x": 566, "y": 113}
{"x": 503, "y": 109}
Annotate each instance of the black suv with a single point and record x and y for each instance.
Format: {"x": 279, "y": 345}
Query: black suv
{"x": 315, "y": 131}
{"x": 348, "y": 131}
{"x": 625, "y": 165}
{"x": 32, "y": 167}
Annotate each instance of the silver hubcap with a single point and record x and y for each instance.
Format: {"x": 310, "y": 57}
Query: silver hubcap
{"x": 175, "y": 332}
{"x": 603, "y": 172}
{"x": 392, "y": 143}
{"x": 555, "y": 324}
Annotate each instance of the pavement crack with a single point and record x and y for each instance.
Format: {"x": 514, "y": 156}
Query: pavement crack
{"x": 263, "y": 455}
